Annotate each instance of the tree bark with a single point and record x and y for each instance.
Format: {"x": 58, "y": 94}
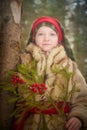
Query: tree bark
{"x": 10, "y": 45}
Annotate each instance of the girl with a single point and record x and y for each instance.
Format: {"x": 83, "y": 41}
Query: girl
{"x": 45, "y": 46}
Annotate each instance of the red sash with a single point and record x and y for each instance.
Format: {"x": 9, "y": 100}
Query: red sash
{"x": 35, "y": 110}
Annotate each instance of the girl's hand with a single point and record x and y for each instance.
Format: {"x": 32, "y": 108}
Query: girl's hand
{"x": 73, "y": 124}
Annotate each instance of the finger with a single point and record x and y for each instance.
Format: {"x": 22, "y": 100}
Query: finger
{"x": 73, "y": 124}
{"x": 69, "y": 123}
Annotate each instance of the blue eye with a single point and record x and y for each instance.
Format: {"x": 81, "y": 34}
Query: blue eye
{"x": 52, "y": 34}
{"x": 40, "y": 34}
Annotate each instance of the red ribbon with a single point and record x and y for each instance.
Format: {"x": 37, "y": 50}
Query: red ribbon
{"x": 35, "y": 110}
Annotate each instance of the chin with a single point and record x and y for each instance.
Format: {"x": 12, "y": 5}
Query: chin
{"x": 46, "y": 50}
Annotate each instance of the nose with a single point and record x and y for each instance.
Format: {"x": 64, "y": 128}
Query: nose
{"x": 46, "y": 37}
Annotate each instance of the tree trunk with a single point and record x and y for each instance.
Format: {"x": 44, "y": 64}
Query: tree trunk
{"x": 9, "y": 53}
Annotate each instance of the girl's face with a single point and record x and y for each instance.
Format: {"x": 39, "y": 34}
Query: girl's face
{"x": 46, "y": 38}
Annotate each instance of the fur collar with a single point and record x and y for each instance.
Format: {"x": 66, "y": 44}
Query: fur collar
{"x": 37, "y": 53}
{"x": 47, "y": 59}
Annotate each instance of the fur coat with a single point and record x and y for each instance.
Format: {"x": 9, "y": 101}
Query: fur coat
{"x": 78, "y": 101}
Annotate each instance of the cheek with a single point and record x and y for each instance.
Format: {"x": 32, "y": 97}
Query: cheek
{"x": 38, "y": 42}
{"x": 55, "y": 40}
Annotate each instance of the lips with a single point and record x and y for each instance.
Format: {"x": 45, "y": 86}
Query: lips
{"x": 46, "y": 44}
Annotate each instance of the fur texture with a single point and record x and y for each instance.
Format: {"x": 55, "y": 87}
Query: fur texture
{"x": 47, "y": 61}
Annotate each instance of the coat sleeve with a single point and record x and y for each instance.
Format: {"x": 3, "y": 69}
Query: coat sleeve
{"x": 79, "y": 98}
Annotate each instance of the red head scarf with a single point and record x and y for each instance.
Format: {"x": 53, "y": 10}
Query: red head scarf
{"x": 49, "y": 20}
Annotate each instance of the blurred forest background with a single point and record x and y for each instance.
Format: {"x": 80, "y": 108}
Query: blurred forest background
{"x": 72, "y": 14}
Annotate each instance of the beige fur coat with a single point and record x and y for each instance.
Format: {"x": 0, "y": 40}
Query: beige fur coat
{"x": 47, "y": 61}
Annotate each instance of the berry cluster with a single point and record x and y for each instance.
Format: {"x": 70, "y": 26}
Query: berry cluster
{"x": 38, "y": 88}
{"x": 15, "y": 79}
